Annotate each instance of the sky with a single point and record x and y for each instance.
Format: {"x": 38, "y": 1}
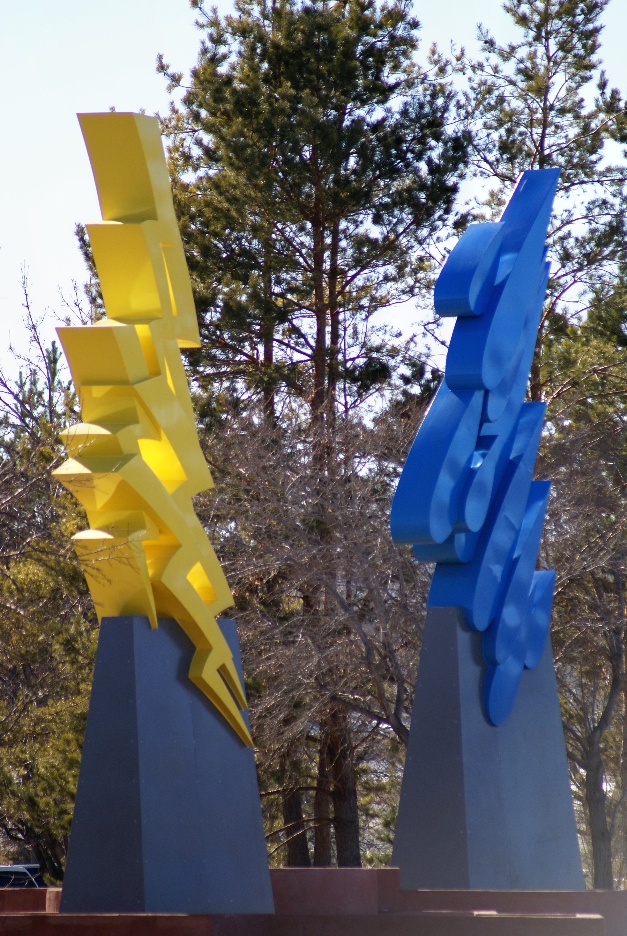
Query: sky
{"x": 69, "y": 57}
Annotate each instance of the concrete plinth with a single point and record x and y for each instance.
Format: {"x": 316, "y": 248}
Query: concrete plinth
{"x": 167, "y": 816}
{"x": 483, "y": 807}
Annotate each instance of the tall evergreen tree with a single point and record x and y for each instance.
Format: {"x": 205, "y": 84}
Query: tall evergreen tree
{"x": 47, "y": 623}
{"x": 314, "y": 167}
{"x": 541, "y": 101}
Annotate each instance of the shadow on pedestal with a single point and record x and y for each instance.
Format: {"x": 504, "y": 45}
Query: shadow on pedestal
{"x": 483, "y": 807}
{"x": 167, "y": 816}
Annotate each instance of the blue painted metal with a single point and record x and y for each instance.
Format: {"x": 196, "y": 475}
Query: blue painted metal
{"x": 466, "y": 498}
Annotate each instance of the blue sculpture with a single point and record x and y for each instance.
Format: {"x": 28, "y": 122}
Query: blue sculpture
{"x": 466, "y": 499}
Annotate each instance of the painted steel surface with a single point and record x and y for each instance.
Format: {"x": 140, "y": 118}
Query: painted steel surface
{"x": 135, "y": 461}
{"x": 466, "y": 499}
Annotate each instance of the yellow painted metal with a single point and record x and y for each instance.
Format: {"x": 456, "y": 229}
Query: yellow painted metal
{"x": 135, "y": 461}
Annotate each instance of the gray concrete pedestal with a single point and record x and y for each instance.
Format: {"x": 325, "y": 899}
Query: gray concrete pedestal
{"x": 167, "y": 816}
{"x": 483, "y": 808}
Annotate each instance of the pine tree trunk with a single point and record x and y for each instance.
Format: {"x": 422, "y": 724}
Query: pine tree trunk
{"x": 323, "y": 854}
{"x": 318, "y": 397}
{"x": 622, "y": 836}
{"x": 535, "y": 377}
{"x": 334, "y": 323}
{"x": 269, "y": 386}
{"x": 293, "y": 820}
{"x": 596, "y": 802}
{"x": 343, "y": 791}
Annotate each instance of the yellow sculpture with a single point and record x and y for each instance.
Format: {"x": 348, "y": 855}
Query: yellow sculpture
{"x": 135, "y": 461}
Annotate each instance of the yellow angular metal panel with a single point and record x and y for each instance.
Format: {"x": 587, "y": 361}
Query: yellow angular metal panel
{"x": 116, "y": 572}
{"x": 127, "y": 160}
{"x": 104, "y": 354}
{"x": 135, "y": 461}
{"x": 133, "y": 187}
{"x": 132, "y": 274}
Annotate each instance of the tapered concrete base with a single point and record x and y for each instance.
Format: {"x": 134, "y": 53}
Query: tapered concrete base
{"x": 482, "y": 807}
{"x": 167, "y": 816}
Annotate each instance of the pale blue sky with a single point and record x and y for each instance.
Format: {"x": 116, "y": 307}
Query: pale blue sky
{"x": 70, "y": 56}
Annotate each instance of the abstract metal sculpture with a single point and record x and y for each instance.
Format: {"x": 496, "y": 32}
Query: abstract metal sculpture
{"x": 135, "y": 459}
{"x": 466, "y": 499}
{"x": 486, "y": 801}
{"x": 167, "y": 815}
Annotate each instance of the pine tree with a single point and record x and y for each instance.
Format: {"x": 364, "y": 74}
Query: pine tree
{"x": 315, "y": 165}
{"x": 47, "y": 624}
{"x": 543, "y": 101}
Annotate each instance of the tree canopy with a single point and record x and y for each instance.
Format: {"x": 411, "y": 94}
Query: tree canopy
{"x": 47, "y": 624}
{"x": 314, "y": 163}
